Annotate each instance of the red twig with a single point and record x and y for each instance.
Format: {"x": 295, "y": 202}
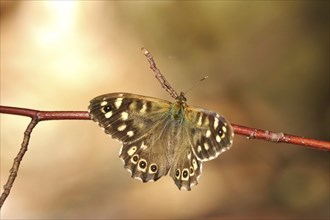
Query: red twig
{"x": 279, "y": 137}
{"x": 45, "y": 115}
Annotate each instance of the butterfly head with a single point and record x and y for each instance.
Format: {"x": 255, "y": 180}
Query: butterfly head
{"x": 181, "y": 99}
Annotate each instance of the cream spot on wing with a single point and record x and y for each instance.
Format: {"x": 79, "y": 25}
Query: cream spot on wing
{"x": 143, "y": 146}
{"x": 216, "y": 123}
{"x": 194, "y": 163}
{"x": 218, "y": 138}
{"x": 206, "y": 146}
{"x": 118, "y": 102}
{"x": 208, "y": 133}
{"x": 199, "y": 123}
{"x": 130, "y": 133}
{"x": 132, "y": 106}
{"x": 189, "y": 156}
{"x": 132, "y": 150}
{"x": 199, "y": 148}
{"x": 224, "y": 129}
{"x": 104, "y": 103}
{"x": 121, "y": 127}
{"x": 206, "y": 121}
{"x": 144, "y": 108}
{"x": 124, "y": 116}
{"x": 108, "y": 114}
{"x": 223, "y": 135}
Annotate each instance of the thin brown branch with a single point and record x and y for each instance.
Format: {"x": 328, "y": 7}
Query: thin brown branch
{"x": 17, "y": 161}
{"x": 279, "y": 137}
{"x": 45, "y": 115}
{"x": 38, "y": 116}
{"x": 159, "y": 76}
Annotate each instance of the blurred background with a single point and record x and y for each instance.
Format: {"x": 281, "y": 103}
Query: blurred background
{"x": 268, "y": 68}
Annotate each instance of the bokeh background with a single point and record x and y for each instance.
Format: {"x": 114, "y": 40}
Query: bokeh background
{"x": 268, "y": 67}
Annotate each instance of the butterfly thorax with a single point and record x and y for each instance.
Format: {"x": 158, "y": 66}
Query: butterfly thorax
{"x": 178, "y": 108}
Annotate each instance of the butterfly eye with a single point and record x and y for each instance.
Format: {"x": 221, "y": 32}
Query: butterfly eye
{"x": 185, "y": 174}
{"x": 135, "y": 159}
{"x": 107, "y": 108}
{"x": 142, "y": 164}
{"x": 191, "y": 171}
{"x": 153, "y": 168}
{"x": 177, "y": 173}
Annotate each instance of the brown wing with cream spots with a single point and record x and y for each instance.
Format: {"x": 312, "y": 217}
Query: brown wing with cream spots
{"x": 141, "y": 124}
{"x": 148, "y": 158}
{"x": 210, "y": 133}
{"x": 186, "y": 168}
{"x": 127, "y": 117}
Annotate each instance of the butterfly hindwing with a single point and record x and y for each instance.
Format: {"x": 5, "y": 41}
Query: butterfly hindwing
{"x": 147, "y": 158}
{"x": 186, "y": 168}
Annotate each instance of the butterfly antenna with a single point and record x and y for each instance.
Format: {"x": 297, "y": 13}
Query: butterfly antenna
{"x": 196, "y": 83}
{"x": 159, "y": 76}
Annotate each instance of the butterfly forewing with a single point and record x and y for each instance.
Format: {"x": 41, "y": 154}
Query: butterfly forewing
{"x": 211, "y": 134}
{"x": 127, "y": 117}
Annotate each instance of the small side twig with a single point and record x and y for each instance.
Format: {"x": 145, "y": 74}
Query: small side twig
{"x": 17, "y": 161}
{"x": 36, "y": 116}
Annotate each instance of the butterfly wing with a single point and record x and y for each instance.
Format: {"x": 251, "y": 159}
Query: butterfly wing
{"x": 186, "y": 168}
{"x": 210, "y": 133}
{"x": 202, "y": 136}
{"x": 141, "y": 124}
{"x": 127, "y": 117}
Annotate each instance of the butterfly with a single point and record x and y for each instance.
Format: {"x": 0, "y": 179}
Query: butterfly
{"x": 161, "y": 137}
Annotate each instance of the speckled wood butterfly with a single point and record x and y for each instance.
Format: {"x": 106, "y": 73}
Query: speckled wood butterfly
{"x": 159, "y": 136}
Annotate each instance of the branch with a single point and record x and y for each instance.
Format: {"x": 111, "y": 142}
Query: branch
{"x": 38, "y": 116}
{"x": 17, "y": 161}
{"x": 251, "y": 133}
{"x": 280, "y": 137}
{"x": 45, "y": 115}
